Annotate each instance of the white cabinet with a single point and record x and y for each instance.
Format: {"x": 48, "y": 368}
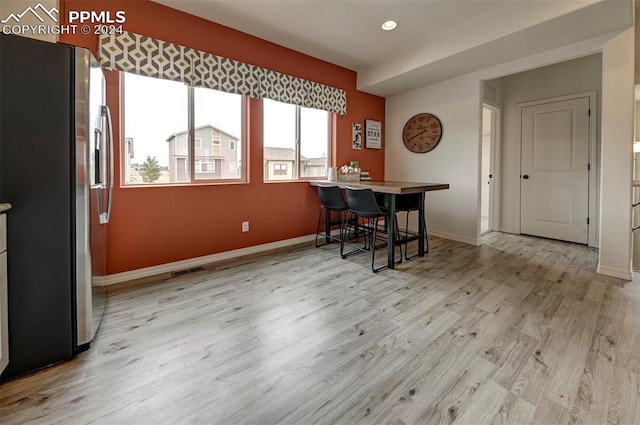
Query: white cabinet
{"x": 4, "y": 310}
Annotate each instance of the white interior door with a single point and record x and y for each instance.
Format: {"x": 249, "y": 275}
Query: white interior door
{"x": 554, "y": 171}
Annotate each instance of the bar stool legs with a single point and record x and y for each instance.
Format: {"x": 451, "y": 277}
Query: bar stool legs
{"x": 406, "y": 235}
{"x": 331, "y": 200}
{"x": 327, "y": 234}
{"x": 409, "y": 203}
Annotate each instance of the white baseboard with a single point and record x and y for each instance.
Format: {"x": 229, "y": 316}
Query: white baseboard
{"x": 614, "y": 272}
{"x": 457, "y": 238}
{"x": 200, "y": 261}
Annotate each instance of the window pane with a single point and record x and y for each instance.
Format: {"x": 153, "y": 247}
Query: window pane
{"x": 218, "y": 122}
{"x": 279, "y": 140}
{"x": 314, "y": 142}
{"x": 155, "y": 114}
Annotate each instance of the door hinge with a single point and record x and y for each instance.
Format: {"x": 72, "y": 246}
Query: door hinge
{"x": 587, "y": 220}
{"x": 589, "y": 111}
{"x": 589, "y": 166}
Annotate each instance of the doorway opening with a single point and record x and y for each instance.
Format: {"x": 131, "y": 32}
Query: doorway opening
{"x": 489, "y": 193}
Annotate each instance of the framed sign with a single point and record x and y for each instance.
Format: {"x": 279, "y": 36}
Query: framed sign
{"x": 372, "y": 134}
{"x": 356, "y": 142}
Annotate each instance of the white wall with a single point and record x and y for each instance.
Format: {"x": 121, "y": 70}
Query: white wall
{"x": 452, "y": 213}
{"x": 617, "y": 155}
{"x": 565, "y": 78}
{"x": 456, "y": 160}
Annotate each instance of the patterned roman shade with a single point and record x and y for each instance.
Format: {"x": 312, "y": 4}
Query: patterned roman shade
{"x": 218, "y": 73}
{"x": 143, "y": 55}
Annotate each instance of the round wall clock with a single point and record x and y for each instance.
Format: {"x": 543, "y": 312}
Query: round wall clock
{"x": 422, "y": 132}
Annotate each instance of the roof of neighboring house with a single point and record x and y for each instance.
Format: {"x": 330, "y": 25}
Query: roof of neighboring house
{"x": 289, "y": 154}
{"x": 279, "y": 154}
{"x": 315, "y": 162}
{"x": 200, "y": 128}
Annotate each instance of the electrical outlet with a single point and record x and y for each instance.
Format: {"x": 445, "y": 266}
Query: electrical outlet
{"x": 245, "y": 226}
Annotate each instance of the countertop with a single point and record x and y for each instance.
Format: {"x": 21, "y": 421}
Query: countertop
{"x": 385, "y": 186}
{"x": 4, "y": 206}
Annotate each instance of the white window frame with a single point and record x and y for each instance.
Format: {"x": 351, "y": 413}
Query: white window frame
{"x": 296, "y": 166}
{"x": 193, "y": 143}
{"x": 232, "y": 144}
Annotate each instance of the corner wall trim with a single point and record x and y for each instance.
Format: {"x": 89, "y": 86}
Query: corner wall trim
{"x": 201, "y": 261}
{"x": 614, "y": 272}
{"x": 457, "y": 238}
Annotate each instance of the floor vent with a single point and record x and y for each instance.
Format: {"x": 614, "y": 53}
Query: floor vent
{"x": 188, "y": 271}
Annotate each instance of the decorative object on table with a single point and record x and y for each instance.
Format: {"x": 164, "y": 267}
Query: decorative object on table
{"x": 332, "y": 174}
{"x": 364, "y": 176}
{"x": 372, "y": 134}
{"x": 347, "y": 173}
{"x": 422, "y": 132}
{"x": 357, "y": 136}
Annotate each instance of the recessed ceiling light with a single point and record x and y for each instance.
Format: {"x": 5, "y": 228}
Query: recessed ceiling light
{"x": 389, "y": 25}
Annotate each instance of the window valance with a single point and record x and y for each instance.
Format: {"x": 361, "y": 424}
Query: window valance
{"x": 151, "y": 57}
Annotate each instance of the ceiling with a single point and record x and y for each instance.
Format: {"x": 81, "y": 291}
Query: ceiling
{"x": 435, "y": 39}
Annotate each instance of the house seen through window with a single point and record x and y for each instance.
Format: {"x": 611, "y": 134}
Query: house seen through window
{"x": 280, "y": 169}
{"x": 296, "y": 141}
{"x": 159, "y": 141}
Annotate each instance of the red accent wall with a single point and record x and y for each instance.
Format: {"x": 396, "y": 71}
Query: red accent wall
{"x": 156, "y": 225}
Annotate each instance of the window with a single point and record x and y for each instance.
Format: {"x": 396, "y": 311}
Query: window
{"x": 295, "y": 136}
{"x": 205, "y": 166}
{"x": 232, "y": 167}
{"x": 217, "y": 148}
{"x": 232, "y": 145}
{"x": 167, "y": 150}
{"x": 280, "y": 169}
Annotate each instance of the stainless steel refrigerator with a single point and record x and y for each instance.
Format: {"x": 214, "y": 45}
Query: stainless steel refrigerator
{"x": 56, "y": 168}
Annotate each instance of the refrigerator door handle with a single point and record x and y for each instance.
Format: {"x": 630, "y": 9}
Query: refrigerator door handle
{"x": 96, "y": 154}
{"x": 104, "y": 216}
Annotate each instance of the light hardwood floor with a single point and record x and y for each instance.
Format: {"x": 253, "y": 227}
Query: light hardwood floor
{"x": 518, "y": 331}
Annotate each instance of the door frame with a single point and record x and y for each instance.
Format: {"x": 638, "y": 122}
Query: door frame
{"x": 594, "y": 173}
{"x": 496, "y": 149}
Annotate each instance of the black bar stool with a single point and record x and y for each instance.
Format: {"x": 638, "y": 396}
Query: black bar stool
{"x": 364, "y": 209}
{"x": 331, "y": 200}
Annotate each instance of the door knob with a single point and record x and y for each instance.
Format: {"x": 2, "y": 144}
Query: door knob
{"x": 526, "y": 176}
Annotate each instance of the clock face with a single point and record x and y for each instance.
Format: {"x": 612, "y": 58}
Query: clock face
{"x": 422, "y": 133}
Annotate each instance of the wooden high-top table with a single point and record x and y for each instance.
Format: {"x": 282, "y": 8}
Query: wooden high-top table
{"x": 390, "y": 189}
